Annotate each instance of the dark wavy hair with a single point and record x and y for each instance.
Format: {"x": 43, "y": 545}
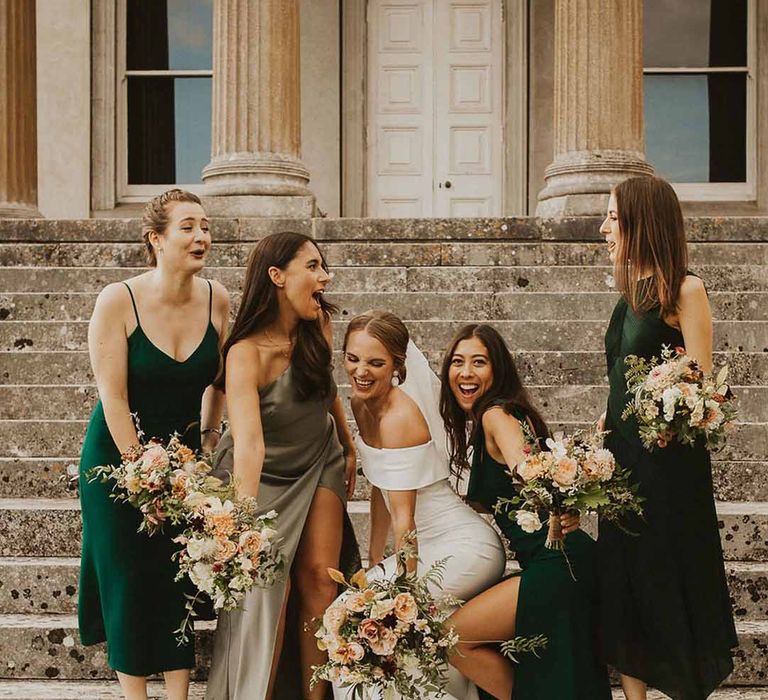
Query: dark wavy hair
{"x": 506, "y": 389}
{"x": 311, "y": 357}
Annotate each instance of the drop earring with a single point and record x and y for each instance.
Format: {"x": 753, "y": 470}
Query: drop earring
{"x": 396, "y": 379}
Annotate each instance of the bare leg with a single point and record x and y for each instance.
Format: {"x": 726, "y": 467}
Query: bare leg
{"x": 319, "y": 549}
{"x": 491, "y": 615}
{"x": 634, "y": 689}
{"x": 133, "y": 687}
{"x": 278, "y": 642}
{"x": 177, "y": 684}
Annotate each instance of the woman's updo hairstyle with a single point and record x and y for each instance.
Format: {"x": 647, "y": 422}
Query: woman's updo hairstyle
{"x": 388, "y": 329}
{"x": 157, "y": 217}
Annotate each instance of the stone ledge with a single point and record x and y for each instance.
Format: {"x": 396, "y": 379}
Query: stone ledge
{"x": 723, "y": 228}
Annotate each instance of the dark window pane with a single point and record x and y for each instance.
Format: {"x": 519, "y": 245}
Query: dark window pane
{"x": 169, "y": 34}
{"x": 695, "y": 33}
{"x": 169, "y": 130}
{"x": 696, "y": 125}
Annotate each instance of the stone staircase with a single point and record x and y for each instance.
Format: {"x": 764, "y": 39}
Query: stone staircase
{"x": 544, "y": 284}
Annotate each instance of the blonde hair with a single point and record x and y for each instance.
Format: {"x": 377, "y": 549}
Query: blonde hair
{"x": 157, "y": 216}
{"x": 388, "y": 329}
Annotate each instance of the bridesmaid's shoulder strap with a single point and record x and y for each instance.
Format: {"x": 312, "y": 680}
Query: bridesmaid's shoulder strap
{"x": 133, "y": 301}
{"x": 210, "y": 300}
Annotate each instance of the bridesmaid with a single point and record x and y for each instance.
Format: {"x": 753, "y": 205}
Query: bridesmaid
{"x": 288, "y": 445}
{"x": 665, "y": 614}
{"x": 481, "y": 386}
{"x": 154, "y": 347}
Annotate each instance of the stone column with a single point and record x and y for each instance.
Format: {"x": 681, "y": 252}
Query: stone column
{"x": 598, "y": 116}
{"x": 255, "y": 167}
{"x": 18, "y": 110}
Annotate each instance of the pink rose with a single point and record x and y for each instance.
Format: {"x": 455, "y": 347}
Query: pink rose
{"x": 154, "y": 457}
{"x": 385, "y": 644}
{"x": 369, "y": 629}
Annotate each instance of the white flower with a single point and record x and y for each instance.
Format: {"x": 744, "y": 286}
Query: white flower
{"x": 556, "y": 446}
{"x": 201, "y": 548}
{"x": 529, "y": 522}
{"x": 669, "y": 398}
{"x": 202, "y": 576}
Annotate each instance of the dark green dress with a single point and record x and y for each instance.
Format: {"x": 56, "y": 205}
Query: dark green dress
{"x": 550, "y": 602}
{"x": 127, "y": 596}
{"x": 665, "y": 612}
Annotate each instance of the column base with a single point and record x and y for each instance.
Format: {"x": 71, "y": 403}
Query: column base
{"x": 256, "y": 174}
{"x": 579, "y": 183}
{"x": 269, "y": 206}
{"x": 14, "y": 210}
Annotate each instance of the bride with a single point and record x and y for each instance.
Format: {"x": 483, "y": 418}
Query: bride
{"x": 402, "y": 446}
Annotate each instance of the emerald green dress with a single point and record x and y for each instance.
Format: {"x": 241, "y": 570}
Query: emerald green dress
{"x": 550, "y": 602}
{"x": 665, "y": 612}
{"x": 127, "y": 594}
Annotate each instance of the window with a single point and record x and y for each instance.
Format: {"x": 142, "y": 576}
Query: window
{"x": 164, "y": 75}
{"x": 699, "y": 98}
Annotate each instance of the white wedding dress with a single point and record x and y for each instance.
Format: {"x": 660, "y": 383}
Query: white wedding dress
{"x": 445, "y": 525}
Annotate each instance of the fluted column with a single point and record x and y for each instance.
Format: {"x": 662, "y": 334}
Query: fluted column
{"x": 18, "y": 109}
{"x": 598, "y": 115}
{"x": 256, "y": 134}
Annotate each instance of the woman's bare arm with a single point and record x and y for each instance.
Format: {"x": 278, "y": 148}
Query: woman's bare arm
{"x": 212, "y": 408}
{"x": 380, "y": 525}
{"x": 695, "y": 319}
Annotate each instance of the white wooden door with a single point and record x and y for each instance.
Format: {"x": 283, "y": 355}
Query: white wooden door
{"x": 435, "y": 108}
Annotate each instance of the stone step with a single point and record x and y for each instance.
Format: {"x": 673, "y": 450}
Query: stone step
{"x": 542, "y": 367}
{"x": 431, "y": 252}
{"x": 393, "y": 278}
{"x": 34, "y": 439}
{"x": 415, "y": 306}
{"x": 47, "y": 646}
{"x": 432, "y": 336}
{"x": 98, "y": 690}
{"x": 31, "y": 527}
{"x": 48, "y": 585}
{"x": 46, "y": 477}
{"x": 706, "y": 229}
{"x": 558, "y": 403}
{"x": 721, "y": 694}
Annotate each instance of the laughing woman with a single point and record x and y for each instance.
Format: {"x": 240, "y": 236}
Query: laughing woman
{"x": 154, "y": 347}
{"x": 481, "y": 387}
{"x": 290, "y": 447}
{"x": 665, "y": 612}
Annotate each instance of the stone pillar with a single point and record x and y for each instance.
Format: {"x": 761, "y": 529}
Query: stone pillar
{"x": 18, "y": 110}
{"x": 255, "y": 167}
{"x": 598, "y": 116}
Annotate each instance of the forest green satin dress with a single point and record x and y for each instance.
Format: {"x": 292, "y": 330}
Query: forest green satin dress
{"x": 665, "y": 611}
{"x": 550, "y": 602}
{"x": 127, "y": 594}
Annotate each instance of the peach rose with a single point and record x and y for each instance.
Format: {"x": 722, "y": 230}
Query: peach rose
{"x": 335, "y": 616}
{"x": 405, "y": 607}
{"x": 225, "y": 550}
{"x": 359, "y": 600}
{"x": 564, "y": 471}
{"x": 385, "y": 644}
{"x": 532, "y": 468}
{"x": 369, "y": 629}
{"x": 154, "y": 457}
{"x": 250, "y": 543}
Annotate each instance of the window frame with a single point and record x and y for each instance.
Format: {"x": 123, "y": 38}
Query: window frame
{"x": 727, "y": 191}
{"x": 127, "y": 193}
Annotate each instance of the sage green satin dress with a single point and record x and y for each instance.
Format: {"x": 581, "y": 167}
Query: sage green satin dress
{"x": 127, "y": 595}
{"x": 665, "y": 610}
{"x": 550, "y": 602}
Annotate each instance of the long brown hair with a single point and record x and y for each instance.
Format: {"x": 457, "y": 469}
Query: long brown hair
{"x": 652, "y": 239}
{"x": 507, "y": 388}
{"x": 388, "y": 329}
{"x": 311, "y": 357}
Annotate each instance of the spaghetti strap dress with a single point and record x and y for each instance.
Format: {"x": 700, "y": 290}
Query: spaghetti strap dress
{"x": 549, "y": 602}
{"x": 665, "y": 610}
{"x": 302, "y": 454}
{"x": 127, "y": 595}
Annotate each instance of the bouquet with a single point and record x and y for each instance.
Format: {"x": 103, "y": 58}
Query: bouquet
{"x": 575, "y": 474}
{"x": 674, "y": 398}
{"x": 157, "y": 479}
{"x": 388, "y": 635}
{"x": 227, "y": 550}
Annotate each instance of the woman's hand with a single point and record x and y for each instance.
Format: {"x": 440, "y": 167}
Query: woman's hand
{"x": 570, "y": 522}
{"x": 350, "y": 469}
{"x": 210, "y": 440}
{"x": 601, "y": 423}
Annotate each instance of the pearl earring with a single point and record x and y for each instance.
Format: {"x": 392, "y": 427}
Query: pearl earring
{"x": 396, "y": 379}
